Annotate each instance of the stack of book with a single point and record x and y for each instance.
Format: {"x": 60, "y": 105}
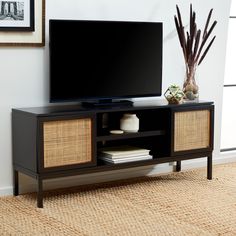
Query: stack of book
{"x": 123, "y": 154}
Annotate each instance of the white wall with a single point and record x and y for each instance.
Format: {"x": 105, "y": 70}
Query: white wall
{"x": 24, "y": 71}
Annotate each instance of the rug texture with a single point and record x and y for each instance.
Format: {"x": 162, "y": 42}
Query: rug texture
{"x": 184, "y": 203}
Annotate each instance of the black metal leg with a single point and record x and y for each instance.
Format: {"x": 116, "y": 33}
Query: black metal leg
{"x": 178, "y": 166}
{"x": 40, "y": 193}
{"x": 16, "y": 183}
{"x": 209, "y": 167}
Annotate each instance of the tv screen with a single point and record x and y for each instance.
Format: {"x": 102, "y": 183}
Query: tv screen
{"x": 98, "y": 60}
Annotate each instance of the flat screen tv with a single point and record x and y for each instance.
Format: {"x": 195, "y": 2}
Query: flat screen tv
{"x": 104, "y": 60}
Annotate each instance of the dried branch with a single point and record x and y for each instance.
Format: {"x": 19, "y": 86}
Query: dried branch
{"x": 191, "y": 23}
{"x": 180, "y": 38}
{"x": 197, "y": 40}
{"x": 207, "y": 23}
{"x": 181, "y": 27}
{"x": 205, "y": 39}
{"x": 208, "y": 47}
{"x": 190, "y": 42}
{"x": 179, "y": 17}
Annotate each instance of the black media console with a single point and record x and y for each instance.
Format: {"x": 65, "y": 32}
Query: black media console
{"x": 60, "y": 141}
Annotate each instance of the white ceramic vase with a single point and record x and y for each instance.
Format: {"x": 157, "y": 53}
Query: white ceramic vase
{"x": 129, "y": 123}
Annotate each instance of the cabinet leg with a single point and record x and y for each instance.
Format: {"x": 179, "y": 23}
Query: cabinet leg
{"x": 209, "y": 167}
{"x": 40, "y": 193}
{"x": 178, "y": 166}
{"x": 16, "y": 183}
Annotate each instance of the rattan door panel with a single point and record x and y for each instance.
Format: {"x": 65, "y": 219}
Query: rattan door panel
{"x": 191, "y": 130}
{"x": 67, "y": 142}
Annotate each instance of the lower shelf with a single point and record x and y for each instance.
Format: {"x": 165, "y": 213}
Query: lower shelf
{"x": 102, "y": 167}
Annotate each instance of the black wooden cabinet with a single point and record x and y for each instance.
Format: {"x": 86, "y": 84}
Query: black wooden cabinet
{"x": 51, "y": 142}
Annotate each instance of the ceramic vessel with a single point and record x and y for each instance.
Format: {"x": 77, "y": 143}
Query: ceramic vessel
{"x": 129, "y": 123}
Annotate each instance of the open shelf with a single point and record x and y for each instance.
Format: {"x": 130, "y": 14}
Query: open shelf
{"x": 156, "y": 160}
{"x": 141, "y": 134}
{"x": 102, "y": 166}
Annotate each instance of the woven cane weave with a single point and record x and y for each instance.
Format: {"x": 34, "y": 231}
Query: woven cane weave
{"x": 179, "y": 204}
{"x": 67, "y": 142}
{"x": 192, "y": 130}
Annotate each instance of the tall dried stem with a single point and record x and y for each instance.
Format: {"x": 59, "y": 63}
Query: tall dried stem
{"x": 192, "y": 44}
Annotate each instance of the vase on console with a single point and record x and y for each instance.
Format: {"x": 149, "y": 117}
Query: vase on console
{"x": 193, "y": 44}
{"x": 190, "y": 87}
{"x": 129, "y": 123}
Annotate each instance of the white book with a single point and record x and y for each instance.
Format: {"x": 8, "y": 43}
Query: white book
{"x": 124, "y": 160}
{"x": 101, "y": 155}
{"x": 123, "y": 151}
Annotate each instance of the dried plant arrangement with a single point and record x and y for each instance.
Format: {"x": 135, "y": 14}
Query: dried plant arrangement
{"x": 194, "y": 46}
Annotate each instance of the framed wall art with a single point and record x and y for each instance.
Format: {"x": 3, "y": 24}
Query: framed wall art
{"x": 17, "y": 15}
{"x": 22, "y": 23}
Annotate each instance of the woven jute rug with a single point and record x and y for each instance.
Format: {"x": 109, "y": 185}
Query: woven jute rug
{"x": 184, "y": 203}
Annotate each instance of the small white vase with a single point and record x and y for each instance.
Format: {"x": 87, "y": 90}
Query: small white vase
{"x": 129, "y": 123}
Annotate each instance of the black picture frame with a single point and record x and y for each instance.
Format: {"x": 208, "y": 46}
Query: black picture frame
{"x": 17, "y": 15}
{"x": 23, "y": 38}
